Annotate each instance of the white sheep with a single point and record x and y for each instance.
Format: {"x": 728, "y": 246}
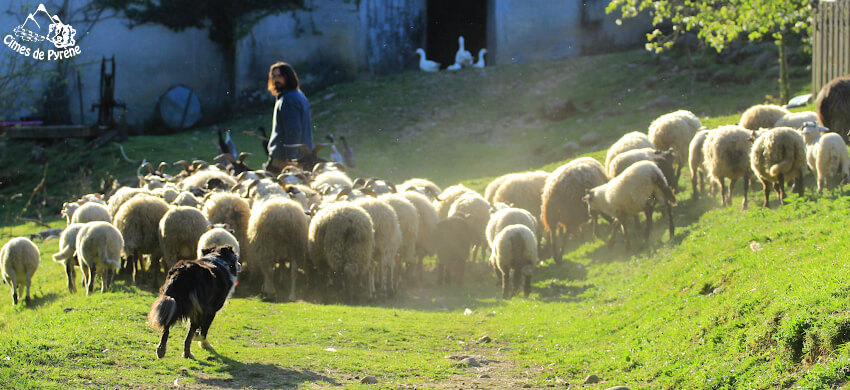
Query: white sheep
{"x": 138, "y": 221}
{"x": 727, "y": 156}
{"x": 230, "y": 209}
{"x": 796, "y": 120}
{"x": 386, "y": 243}
{"x": 514, "y": 256}
{"x": 186, "y": 198}
{"x": 218, "y": 234}
{"x": 426, "y": 242}
{"x": 493, "y": 186}
{"x": 341, "y": 239}
{"x": 633, "y": 191}
{"x": 90, "y": 212}
{"x": 123, "y": 195}
{"x": 675, "y": 130}
{"x": 19, "y": 259}
{"x": 826, "y": 154}
{"x": 478, "y": 214}
{"x": 448, "y": 197}
{"x": 506, "y": 217}
{"x": 629, "y": 141}
{"x": 663, "y": 159}
{"x": 66, "y": 255}
{"x": 332, "y": 178}
{"x": 277, "y": 234}
{"x": 562, "y": 208}
{"x": 695, "y": 161}
{"x": 202, "y": 178}
{"x": 99, "y": 247}
{"x": 777, "y": 156}
{"x": 523, "y": 191}
{"x": 408, "y": 219}
{"x": 762, "y": 116}
{"x": 179, "y": 231}
{"x": 423, "y": 186}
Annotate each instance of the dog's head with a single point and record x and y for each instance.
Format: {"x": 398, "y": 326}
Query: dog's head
{"x": 226, "y": 255}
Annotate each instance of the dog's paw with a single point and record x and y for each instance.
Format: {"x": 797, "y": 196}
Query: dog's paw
{"x": 160, "y": 352}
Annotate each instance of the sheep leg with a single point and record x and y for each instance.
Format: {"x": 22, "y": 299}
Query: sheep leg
{"x": 163, "y": 343}
{"x": 187, "y": 344}
{"x": 766, "y": 203}
{"x": 614, "y": 228}
{"x": 517, "y": 279}
{"x": 729, "y": 196}
{"x": 669, "y": 210}
{"x": 499, "y": 275}
{"x": 675, "y": 186}
{"x": 14, "y": 291}
{"x": 746, "y": 190}
{"x": 800, "y": 187}
{"x": 626, "y": 236}
{"x": 90, "y": 280}
{"x": 694, "y": 186}
{"x": 553, "y": 242}
{"x": 506, "y": 284}
{"x": 69, "y": 272}
{"x": 647, "y": 209}
{"x": 27, "y": 297}
{"x": 723, "y": 199}
{"x": 781, "y": 189}
{"x": 293, "y": 273}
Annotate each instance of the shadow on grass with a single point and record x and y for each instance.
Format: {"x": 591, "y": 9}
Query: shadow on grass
{"x": 258, "y": 375}
{"x": 36, "y": 301}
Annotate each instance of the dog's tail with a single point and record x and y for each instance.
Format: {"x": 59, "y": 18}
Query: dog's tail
{"x": 162, "y": 312}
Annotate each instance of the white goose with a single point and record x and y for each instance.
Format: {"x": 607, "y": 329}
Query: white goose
{"x": 454, "y": 66}
{"x": 427, "y": 65}
{"x": 463, "y": 56}
{"x": 480, "y": 63}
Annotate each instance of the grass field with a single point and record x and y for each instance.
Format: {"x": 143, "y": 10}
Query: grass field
{"x": 737, "y": 299}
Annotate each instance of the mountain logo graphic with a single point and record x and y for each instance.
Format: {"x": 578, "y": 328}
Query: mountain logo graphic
{"x": 41, "y": 26}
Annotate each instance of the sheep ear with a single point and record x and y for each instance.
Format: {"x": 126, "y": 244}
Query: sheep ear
{"x": 207, "y": 250}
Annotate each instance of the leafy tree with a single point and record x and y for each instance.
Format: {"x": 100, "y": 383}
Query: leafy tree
{"x": 226, "y": 20}
{"x": 719, "y": 22}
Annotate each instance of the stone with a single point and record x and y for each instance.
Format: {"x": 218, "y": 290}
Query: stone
{"x": 468, "y": 362}
{"x": 591, "y": 138}
{"x": 484, "y": 376}
{"x": 591, "y": 379}
{"x": 661, "y": 102}
{"x": 504, "y": 349}
{"x": 484, "y": 339}
{"x": 369, "y": 380}
{"x": 618, "y": 388}
{"x": 558, "y": 109}
{"x": 570, "y": 149}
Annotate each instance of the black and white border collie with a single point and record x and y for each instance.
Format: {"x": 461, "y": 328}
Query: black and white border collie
{"x": 195, "y": 290}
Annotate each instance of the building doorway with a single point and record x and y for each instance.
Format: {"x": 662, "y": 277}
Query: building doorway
{"x": 448, "y": 19}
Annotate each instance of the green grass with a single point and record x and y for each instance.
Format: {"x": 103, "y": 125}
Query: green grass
{"x": 737, "y": 299}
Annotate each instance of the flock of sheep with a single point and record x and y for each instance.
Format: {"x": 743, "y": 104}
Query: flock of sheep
{"x": 366, "y": 238}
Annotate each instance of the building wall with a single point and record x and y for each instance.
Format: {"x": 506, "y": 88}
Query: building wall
{"x": 324, "y": 40}
{"x": 541, "y": 30}
{"x": 331, "y": 41}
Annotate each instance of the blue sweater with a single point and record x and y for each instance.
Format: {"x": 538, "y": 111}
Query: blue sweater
{"x": 291, "y": 125}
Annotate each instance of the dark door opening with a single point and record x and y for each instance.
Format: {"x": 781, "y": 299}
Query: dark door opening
{"x": 448, "y": 19}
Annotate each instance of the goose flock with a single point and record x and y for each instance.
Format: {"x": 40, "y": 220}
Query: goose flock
{"x": 463, "y": 58}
